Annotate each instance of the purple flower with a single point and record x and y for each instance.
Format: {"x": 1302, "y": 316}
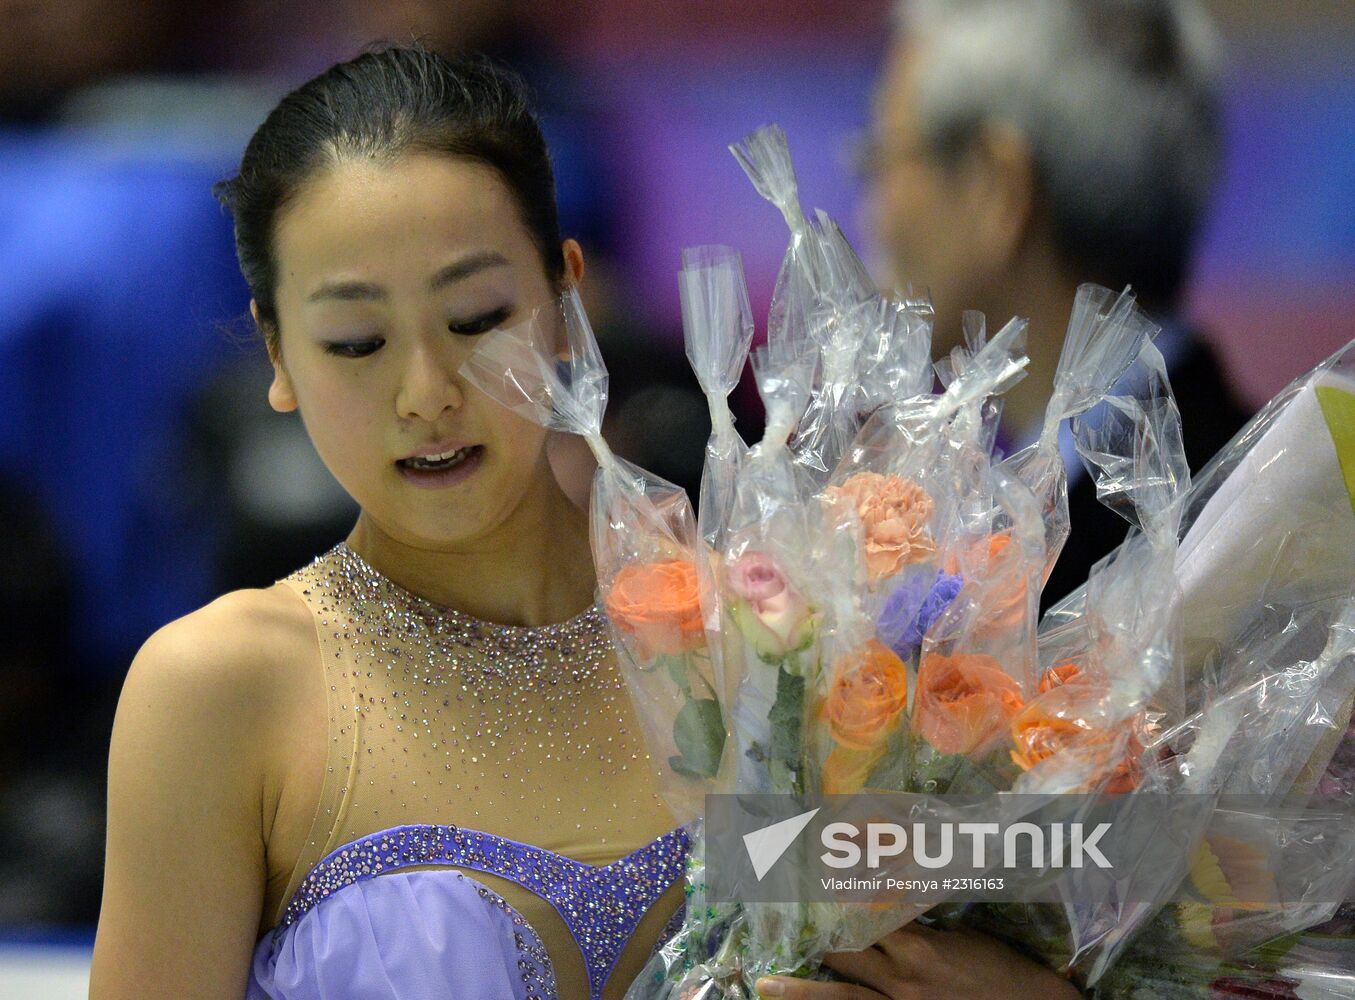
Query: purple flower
{"x": 912, "y": 609}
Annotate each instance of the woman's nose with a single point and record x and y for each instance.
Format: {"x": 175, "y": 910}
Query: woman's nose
{"x": 429, "y": 385}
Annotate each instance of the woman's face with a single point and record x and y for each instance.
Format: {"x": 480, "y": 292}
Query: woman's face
{"x": 388, "y": 272}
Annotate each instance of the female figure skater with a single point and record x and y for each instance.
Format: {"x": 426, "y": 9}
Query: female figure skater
{"x": 410, "y": 769}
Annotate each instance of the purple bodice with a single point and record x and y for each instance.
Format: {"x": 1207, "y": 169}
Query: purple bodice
{"x": 417, "y": 933}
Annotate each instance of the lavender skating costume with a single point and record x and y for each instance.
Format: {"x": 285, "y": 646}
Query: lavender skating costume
{"x": 436, "y": 716}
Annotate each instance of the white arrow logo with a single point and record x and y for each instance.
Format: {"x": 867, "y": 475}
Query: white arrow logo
{"x": 766, "y": 846}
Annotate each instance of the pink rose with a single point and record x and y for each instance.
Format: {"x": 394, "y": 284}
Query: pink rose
{"x": 755, "y": 577}
{"x": 770, "y": 614}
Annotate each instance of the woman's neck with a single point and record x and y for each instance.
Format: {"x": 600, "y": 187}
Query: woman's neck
{"x": 536, "y": 568}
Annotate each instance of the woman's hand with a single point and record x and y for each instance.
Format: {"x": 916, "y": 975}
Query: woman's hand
{"x": 919, "y": 963}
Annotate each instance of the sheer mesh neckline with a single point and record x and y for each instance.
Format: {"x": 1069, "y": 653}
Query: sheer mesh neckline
{"x": 438, "y": 717}
{"x": 372, "y": 583}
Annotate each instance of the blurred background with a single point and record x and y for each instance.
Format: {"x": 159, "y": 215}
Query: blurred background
{"x": 141, "y": 471}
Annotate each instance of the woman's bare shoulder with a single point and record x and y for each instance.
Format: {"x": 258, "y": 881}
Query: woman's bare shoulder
{"x": 247, "y": 616}
{"x": 246, "y": 632}
{"x": 242, "y": 652}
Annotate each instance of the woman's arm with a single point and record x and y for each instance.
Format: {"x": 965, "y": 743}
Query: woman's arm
{"x": 185, "y": 872}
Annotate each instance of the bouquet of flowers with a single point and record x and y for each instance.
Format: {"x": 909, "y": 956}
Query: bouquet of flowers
{"x": 856, "y": 611}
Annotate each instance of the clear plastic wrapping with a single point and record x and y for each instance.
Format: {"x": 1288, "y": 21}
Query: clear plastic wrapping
{"x": 821, "y": 297}
{"x": 645, "y": 546}
{"x": 717, "y": 322}
{"x": 1103, "y": 339}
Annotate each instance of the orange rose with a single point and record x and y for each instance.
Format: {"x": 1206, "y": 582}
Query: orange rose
{"x": 1049, "y": 726}
{"x": 846, "y": 770}
{"x": 894, "y": 513}
{"x": 964, "y": 702}
{"x": 997, "y": 563}
{"x": 1039, "y": 734}
{"x": 659, "y": 604}
{"x": 1059, "y": 675}
{"x": 1121, "y": 763}
{"x": 868, "y": 695}
{"x": 987, "y": 551}
{"x": 869, "y": 690}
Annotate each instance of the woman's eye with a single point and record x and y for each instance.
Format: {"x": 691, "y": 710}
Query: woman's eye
{"x": 480, "y": 324}
{"x": 353, "y": 348}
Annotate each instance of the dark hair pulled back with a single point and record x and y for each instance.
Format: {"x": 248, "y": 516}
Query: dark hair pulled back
{"x": 383, "y": 104}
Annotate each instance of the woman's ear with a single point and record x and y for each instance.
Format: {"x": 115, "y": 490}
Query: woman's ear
{"x": 281, "y": 396}
{"x": 573, "y": 261}
{"x": 573, "y": 254}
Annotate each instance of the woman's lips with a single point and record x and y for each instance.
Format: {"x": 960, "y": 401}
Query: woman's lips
{"x": 418, "y": 472}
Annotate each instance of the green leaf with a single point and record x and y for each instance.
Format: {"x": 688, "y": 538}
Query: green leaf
{"x": 1271, "y": 953}
{"x": 699, "y": 733}
{"x": 677, "y": 669}
{"x": 787, "y": 720}
{"x": 949, "y": 774}
{"x": 896, "y": 767}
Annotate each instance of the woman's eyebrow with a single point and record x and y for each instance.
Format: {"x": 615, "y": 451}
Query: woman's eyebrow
{"x": 346, "y": 291}
{"x": 354, "y": 291}
{"x": 467, "y": 266}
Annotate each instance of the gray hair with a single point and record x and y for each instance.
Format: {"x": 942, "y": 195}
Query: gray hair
{"x": 1119, "y": 101}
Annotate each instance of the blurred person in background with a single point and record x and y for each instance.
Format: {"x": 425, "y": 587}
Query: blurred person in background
{"x": 1023, "y": 147}
{"x": 51, "y": 50}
